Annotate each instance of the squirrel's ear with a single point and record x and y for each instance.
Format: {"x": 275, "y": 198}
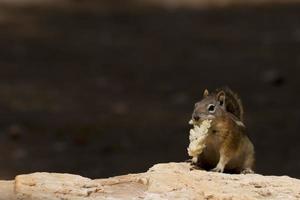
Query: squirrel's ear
{"x": 221, "y": 98}
{"x": 205, "y": 93}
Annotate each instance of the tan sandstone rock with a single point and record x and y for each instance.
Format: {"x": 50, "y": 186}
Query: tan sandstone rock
{"x": 162, "y": 181}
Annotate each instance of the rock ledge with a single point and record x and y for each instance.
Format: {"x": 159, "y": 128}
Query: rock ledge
{"x": 162, "y": 181}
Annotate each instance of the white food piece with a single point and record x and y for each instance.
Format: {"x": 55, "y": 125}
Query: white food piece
{"x": 197, "y": 138}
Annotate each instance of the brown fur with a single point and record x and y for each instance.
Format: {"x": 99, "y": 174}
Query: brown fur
{"x": 227, "y": 146}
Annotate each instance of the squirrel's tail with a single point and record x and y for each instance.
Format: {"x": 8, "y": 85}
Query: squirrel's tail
{"x": 233, "y": 103}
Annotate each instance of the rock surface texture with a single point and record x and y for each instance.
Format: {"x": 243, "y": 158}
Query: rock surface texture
{"x": 162, "y": 181}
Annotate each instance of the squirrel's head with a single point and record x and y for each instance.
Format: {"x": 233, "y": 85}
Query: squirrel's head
{"x": 211, "y": 106}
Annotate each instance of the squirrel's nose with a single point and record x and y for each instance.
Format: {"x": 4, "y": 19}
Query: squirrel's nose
{"x": 196, "y": 117}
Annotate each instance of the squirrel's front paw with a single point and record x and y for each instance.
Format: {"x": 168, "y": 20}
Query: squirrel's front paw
{"x": 194, "y": 167}
{"x": 217, "y": 169}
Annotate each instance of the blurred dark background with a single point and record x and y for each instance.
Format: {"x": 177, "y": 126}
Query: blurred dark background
{"x": 103, "y": 88}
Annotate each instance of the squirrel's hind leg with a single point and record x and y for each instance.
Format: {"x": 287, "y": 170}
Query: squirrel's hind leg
{"x": 247, "y": 171}
{"x": 222, "y": 163}
{"x": 248, "y": 165}
{"x": 227, "y": 150}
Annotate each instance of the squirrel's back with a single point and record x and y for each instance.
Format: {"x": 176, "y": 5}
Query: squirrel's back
{"x": 233, "y": 102}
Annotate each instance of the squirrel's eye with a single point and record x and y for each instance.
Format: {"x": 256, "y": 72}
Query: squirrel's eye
{"x": 211, "y": 108}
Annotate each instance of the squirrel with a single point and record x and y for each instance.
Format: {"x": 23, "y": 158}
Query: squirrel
{"x": 227, "y": 145}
